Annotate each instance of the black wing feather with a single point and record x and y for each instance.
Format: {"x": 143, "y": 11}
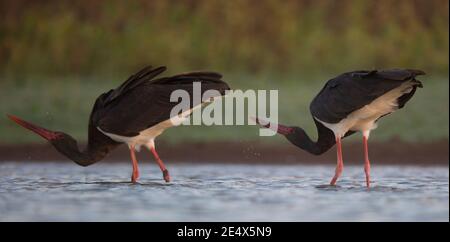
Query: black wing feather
{"x": 353, "y": 90}
{"x": 133, "y": 81}
{"x": 149, "y": 104}
{"x": 189, "y": 77}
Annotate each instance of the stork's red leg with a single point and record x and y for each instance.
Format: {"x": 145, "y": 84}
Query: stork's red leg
{"x": 366, "y": 160}
{"x": 340, "y": 162}
{"x": 135, "y": 174}
{"x": 160, "y": 164}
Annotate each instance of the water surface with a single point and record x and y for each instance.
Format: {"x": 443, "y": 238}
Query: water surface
{"x": 62, "y": 191}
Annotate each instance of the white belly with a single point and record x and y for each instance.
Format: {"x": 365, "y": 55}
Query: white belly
{"x": 147, "y": 137}
{"x": 364, "y": 119}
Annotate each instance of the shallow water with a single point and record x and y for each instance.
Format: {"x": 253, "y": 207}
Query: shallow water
{"x": 65, "y": 192}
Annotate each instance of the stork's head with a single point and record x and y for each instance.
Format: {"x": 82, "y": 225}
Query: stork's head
{"x": 63, "y": 142}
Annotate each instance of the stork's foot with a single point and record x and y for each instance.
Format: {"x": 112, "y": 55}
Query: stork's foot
{"x": 166, "y": 175}
{"x": 366, "y": 158}
{"x": 367, "y": 171}
{"x": 134, "y": 177}
{"x": 340, "y": 162}
{"x": 333, "y": 181}
{"x": 135, "y": 174}
{"x": 337, "y": 174}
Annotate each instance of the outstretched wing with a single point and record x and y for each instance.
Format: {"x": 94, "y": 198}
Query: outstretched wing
{"x": 353, "y": 90}
{"x": 149, "y": 103}
{"x": 188, "y": 78}
{"x": 132, "y": 82}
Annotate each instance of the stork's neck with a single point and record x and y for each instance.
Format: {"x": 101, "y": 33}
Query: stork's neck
{"x": 300, "y": 138}
{"x": 92, "y": 153}
{"x": 89, "y": 156}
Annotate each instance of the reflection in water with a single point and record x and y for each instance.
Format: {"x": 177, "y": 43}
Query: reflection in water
{"x": 65, "y": 192}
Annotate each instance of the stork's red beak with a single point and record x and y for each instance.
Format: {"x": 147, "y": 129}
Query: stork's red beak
{"x": 279, "y": 128}
{"x": 44, "y": 133}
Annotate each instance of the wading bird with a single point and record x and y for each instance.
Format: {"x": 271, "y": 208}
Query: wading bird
{"x": 349, "y": 103}
{"x": 134, "y": 113}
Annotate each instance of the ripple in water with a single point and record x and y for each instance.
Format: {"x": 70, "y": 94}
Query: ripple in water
{"x": 64, "y": 192}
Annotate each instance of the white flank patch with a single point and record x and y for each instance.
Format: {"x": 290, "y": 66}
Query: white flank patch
{"x": 147, "y": 136}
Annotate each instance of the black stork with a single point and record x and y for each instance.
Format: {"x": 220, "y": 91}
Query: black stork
{"x": 348, "y": 103}
{"x": 134, "y": 113}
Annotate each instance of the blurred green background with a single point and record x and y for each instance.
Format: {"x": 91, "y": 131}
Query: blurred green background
{"x": 58, "y": 56}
